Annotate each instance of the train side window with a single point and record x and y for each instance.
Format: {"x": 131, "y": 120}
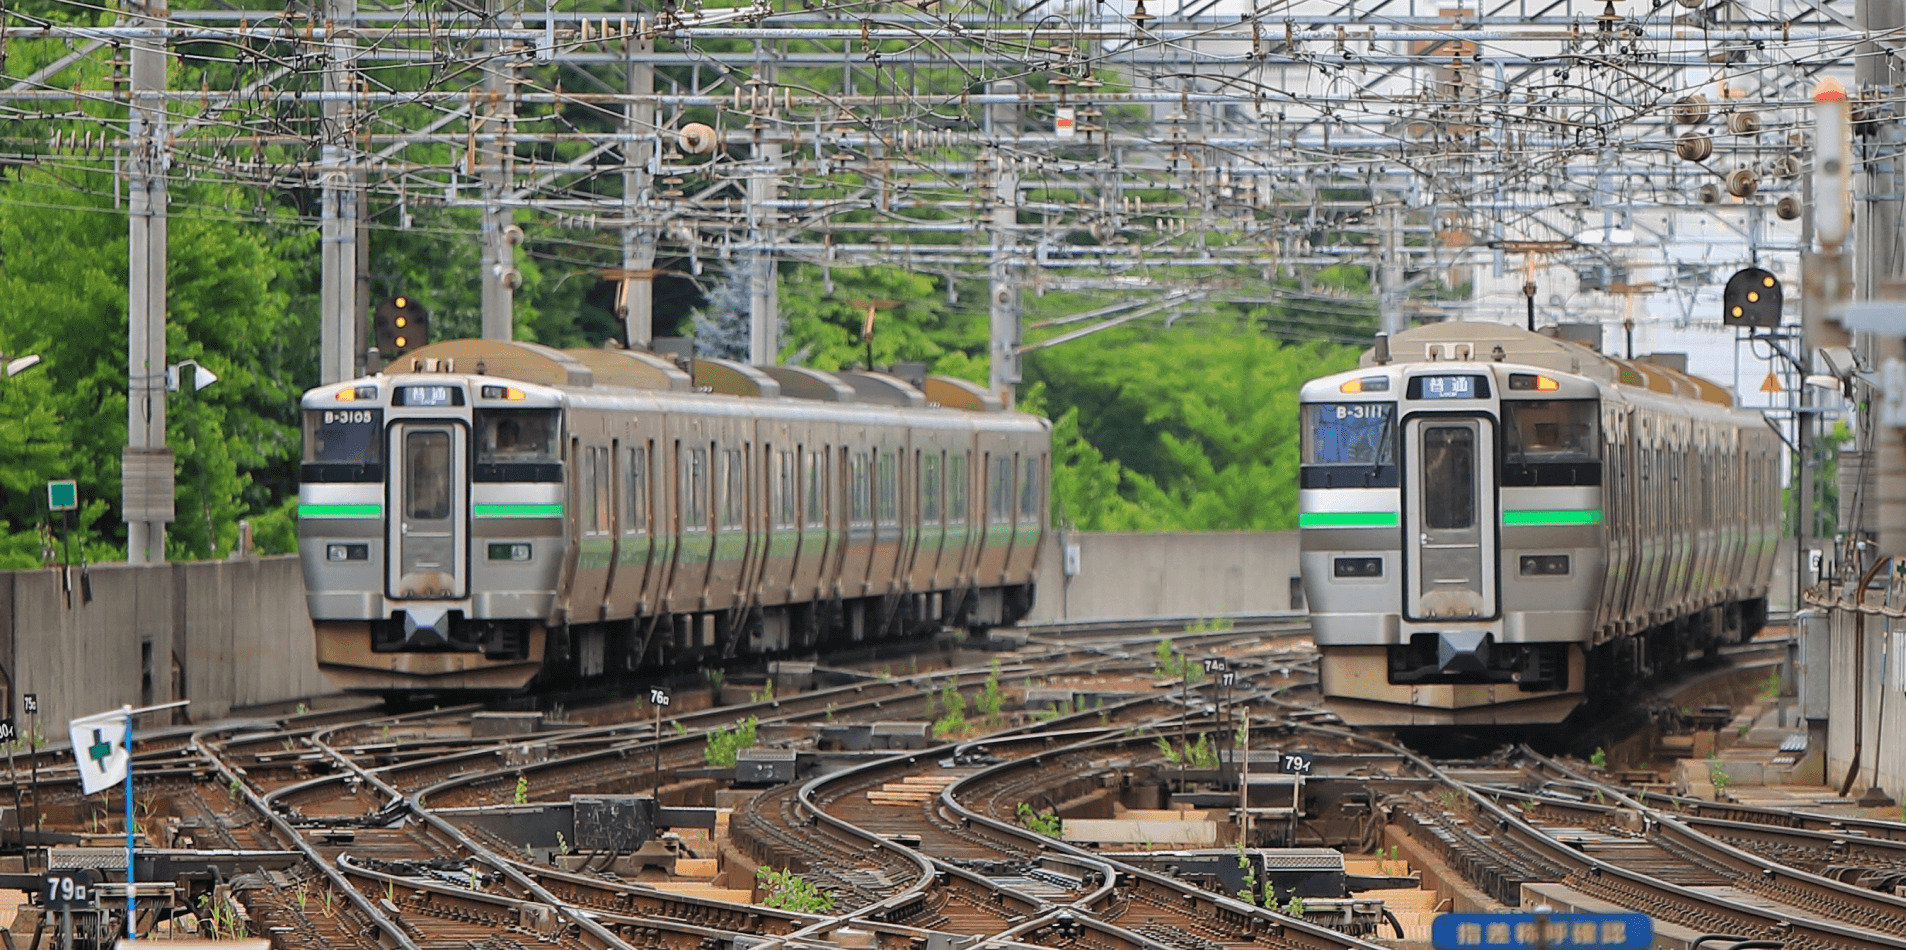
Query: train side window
{"x": 636, "y": 487}
{"x": 786, "y": 498}
{"x": 930, "y": 487}
{"x": 956, "y": 477}
{"x": 816, "y": 471}
{"x": 861, "y": 503}
{"x": 999, "y": 490}
{"x": 888, "y": 509}
{"x": 586, "y": 492}
{"x": 599, "y": 460}
{"x": 695, "y": 489}
{"x": 1028, "y": 488}
{"x": 733, "y": 482}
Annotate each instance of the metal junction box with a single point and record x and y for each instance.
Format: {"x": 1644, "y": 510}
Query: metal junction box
{"x": 620, "y": 823}
{"x": 764, "y": 766}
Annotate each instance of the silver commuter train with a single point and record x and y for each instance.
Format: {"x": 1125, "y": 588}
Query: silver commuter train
{"x": 1496, "y": 522}
{"x": 496, "y": 511}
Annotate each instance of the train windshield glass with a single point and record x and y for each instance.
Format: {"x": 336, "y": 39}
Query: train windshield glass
{"x": 344, "y": 436}
{"x": 516, "y": 436}
{"x": 1353, "y": 433}
{"x": 1550, "y": 430}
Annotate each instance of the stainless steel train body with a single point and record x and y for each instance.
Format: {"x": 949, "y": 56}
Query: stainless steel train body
{"x": 1495, "y": 521}
{"x": 496, "y": 512}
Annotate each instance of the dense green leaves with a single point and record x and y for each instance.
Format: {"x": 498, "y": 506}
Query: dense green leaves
{"x": 63, "y": 263}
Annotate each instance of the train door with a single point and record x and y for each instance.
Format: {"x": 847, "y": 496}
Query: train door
{"x": 1452, "y": 519}
{"x": 430, "y": 532}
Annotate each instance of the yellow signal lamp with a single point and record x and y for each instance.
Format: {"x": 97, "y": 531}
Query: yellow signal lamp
{"x": 402, "y": 342}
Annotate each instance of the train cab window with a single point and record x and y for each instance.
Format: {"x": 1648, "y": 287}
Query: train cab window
{"x": 1551, "y": 430}
{"x": 1028, "y": 488}
{"x": 861, "y": 506}
{"x": 930, "y": 487}
{"x": 1349, "y": 445}
{"x": 695, "y": 489}
{"x": 786, "y": 498}
{"x": 733, "y": 491}
{"x": 427, "y": 475}
{"x": 517, "y": 445}
{"x": 888, "y": 507}
{"x": 816, "y": 480}
{"x": 343, "y": 445}
{"x": 956, "y": 478}
{"x": 636, "y": 491}
{"x": 999, "y": 490}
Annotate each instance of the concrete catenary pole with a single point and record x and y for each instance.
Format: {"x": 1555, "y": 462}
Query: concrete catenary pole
{"x": 339, "y": 314}
{"x": 1002, "y": 126}
{"x": 1877, "y": 246}
{"x": 638, "y": 237}
{"x": 496, "y": 168}
{"x": 146, "y": 464}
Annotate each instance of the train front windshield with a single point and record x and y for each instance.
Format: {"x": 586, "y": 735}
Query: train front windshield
{"x": 1350, "y": 433}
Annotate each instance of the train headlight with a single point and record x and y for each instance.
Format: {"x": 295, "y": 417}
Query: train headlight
{"x": 1544, "y": 565}
{"x": 347, "y": 552}
{"x": 1367, "y": 384}
{"x": 509, "y": 551}
{"x": 1358, "y": 567}
{"x": 1530, "y": 381}
{"x": 510, "y": 393}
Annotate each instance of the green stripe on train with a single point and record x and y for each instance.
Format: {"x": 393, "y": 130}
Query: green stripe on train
{"x": 340, "y": 511}
{"x": 1347, "y": 519}
{"x": 1553, "y": 517}
{"x": 519, "y": 511}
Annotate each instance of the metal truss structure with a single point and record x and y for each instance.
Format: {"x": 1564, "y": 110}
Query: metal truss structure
{"x": 1037, "y": 143}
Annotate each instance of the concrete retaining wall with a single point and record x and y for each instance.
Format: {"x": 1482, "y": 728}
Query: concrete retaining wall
{"x": 1190, "y": 574}
{"x": 220, "y": 633}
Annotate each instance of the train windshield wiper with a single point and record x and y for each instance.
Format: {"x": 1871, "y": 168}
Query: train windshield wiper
{"x": 1383, "y": 442}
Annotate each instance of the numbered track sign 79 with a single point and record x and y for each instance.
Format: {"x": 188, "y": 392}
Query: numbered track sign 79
{"x": 1294, "y": 763}
{"x": 68, "y": 889}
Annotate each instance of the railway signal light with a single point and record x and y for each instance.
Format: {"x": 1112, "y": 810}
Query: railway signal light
{"x": 1751, "y": 299}
{"x": 400, "y": 324}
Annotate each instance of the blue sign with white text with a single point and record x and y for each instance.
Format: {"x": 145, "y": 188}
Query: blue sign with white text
{"x": 1563, "y": 931}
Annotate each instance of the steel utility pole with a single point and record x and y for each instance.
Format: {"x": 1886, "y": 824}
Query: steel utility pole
{"x": 146, "y": 464}
{"x": 339, "y": 313}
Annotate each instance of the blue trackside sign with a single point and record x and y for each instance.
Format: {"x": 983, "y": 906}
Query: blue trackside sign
{"x": 1532, "y": 932}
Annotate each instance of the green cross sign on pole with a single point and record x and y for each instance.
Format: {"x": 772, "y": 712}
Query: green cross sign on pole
{"x": 100, "y": 750}
{"x": 62, "y": 495}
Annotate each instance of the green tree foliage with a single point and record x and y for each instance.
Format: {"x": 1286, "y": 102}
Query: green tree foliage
{"x": 63, "y": 296}
{"x": 1188, "y": 429}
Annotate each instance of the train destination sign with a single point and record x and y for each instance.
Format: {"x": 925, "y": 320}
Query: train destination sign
{"x": 1527, "y": 931}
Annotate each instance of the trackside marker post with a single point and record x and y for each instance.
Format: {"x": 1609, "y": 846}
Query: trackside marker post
{"x": 102, "y": 747}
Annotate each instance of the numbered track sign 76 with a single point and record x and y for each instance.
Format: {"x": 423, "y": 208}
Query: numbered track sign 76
{"x": 658, "y": 697}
